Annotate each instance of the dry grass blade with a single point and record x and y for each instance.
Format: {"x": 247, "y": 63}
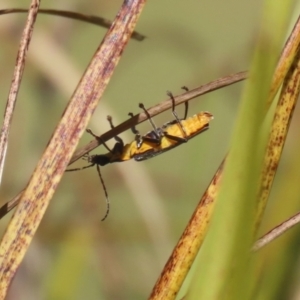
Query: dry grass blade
{"x": 284, "y": 112}
{"x": 282, "y": 118}
{"x": 51, "y": 166}
{"x": 73, "y": 15}
{"x": 286, "y": 59}
{"x": 188, "y": 246}
{"x": 16, "y": 81}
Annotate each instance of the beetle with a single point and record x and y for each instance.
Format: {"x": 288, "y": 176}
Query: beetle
{"x": 155, "y": 142}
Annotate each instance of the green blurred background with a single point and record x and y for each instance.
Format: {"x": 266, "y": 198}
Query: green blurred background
{"x": 74, "y": 255}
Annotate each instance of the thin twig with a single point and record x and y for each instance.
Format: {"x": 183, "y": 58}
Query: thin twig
{"x": 73, "y": 15}
{"x": 16, "y": 81}
{"x": 276, "y": 232}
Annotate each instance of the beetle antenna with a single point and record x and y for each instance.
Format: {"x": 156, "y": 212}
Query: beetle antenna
{"x": 85, "y": 157}
{"x": 105, "y": 192}
{"x": 79, "y": 169}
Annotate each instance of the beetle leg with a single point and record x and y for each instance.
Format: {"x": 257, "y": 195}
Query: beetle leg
{"x": 133, "y": 128}
{"x": 155, "y": 130}
{"x": 175, "y": 113}
{"x": 119, "y": 145}
{"x": 186, "y": 104}
{"x": 117, "y": 138}
{"x": 99, "y": 139}
{"x": 138, "y": 137}
{"x": 176, "y": 138}
{"x": 151, "y": 140}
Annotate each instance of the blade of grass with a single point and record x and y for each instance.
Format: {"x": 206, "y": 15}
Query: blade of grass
{"x": 51, "y": 166}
